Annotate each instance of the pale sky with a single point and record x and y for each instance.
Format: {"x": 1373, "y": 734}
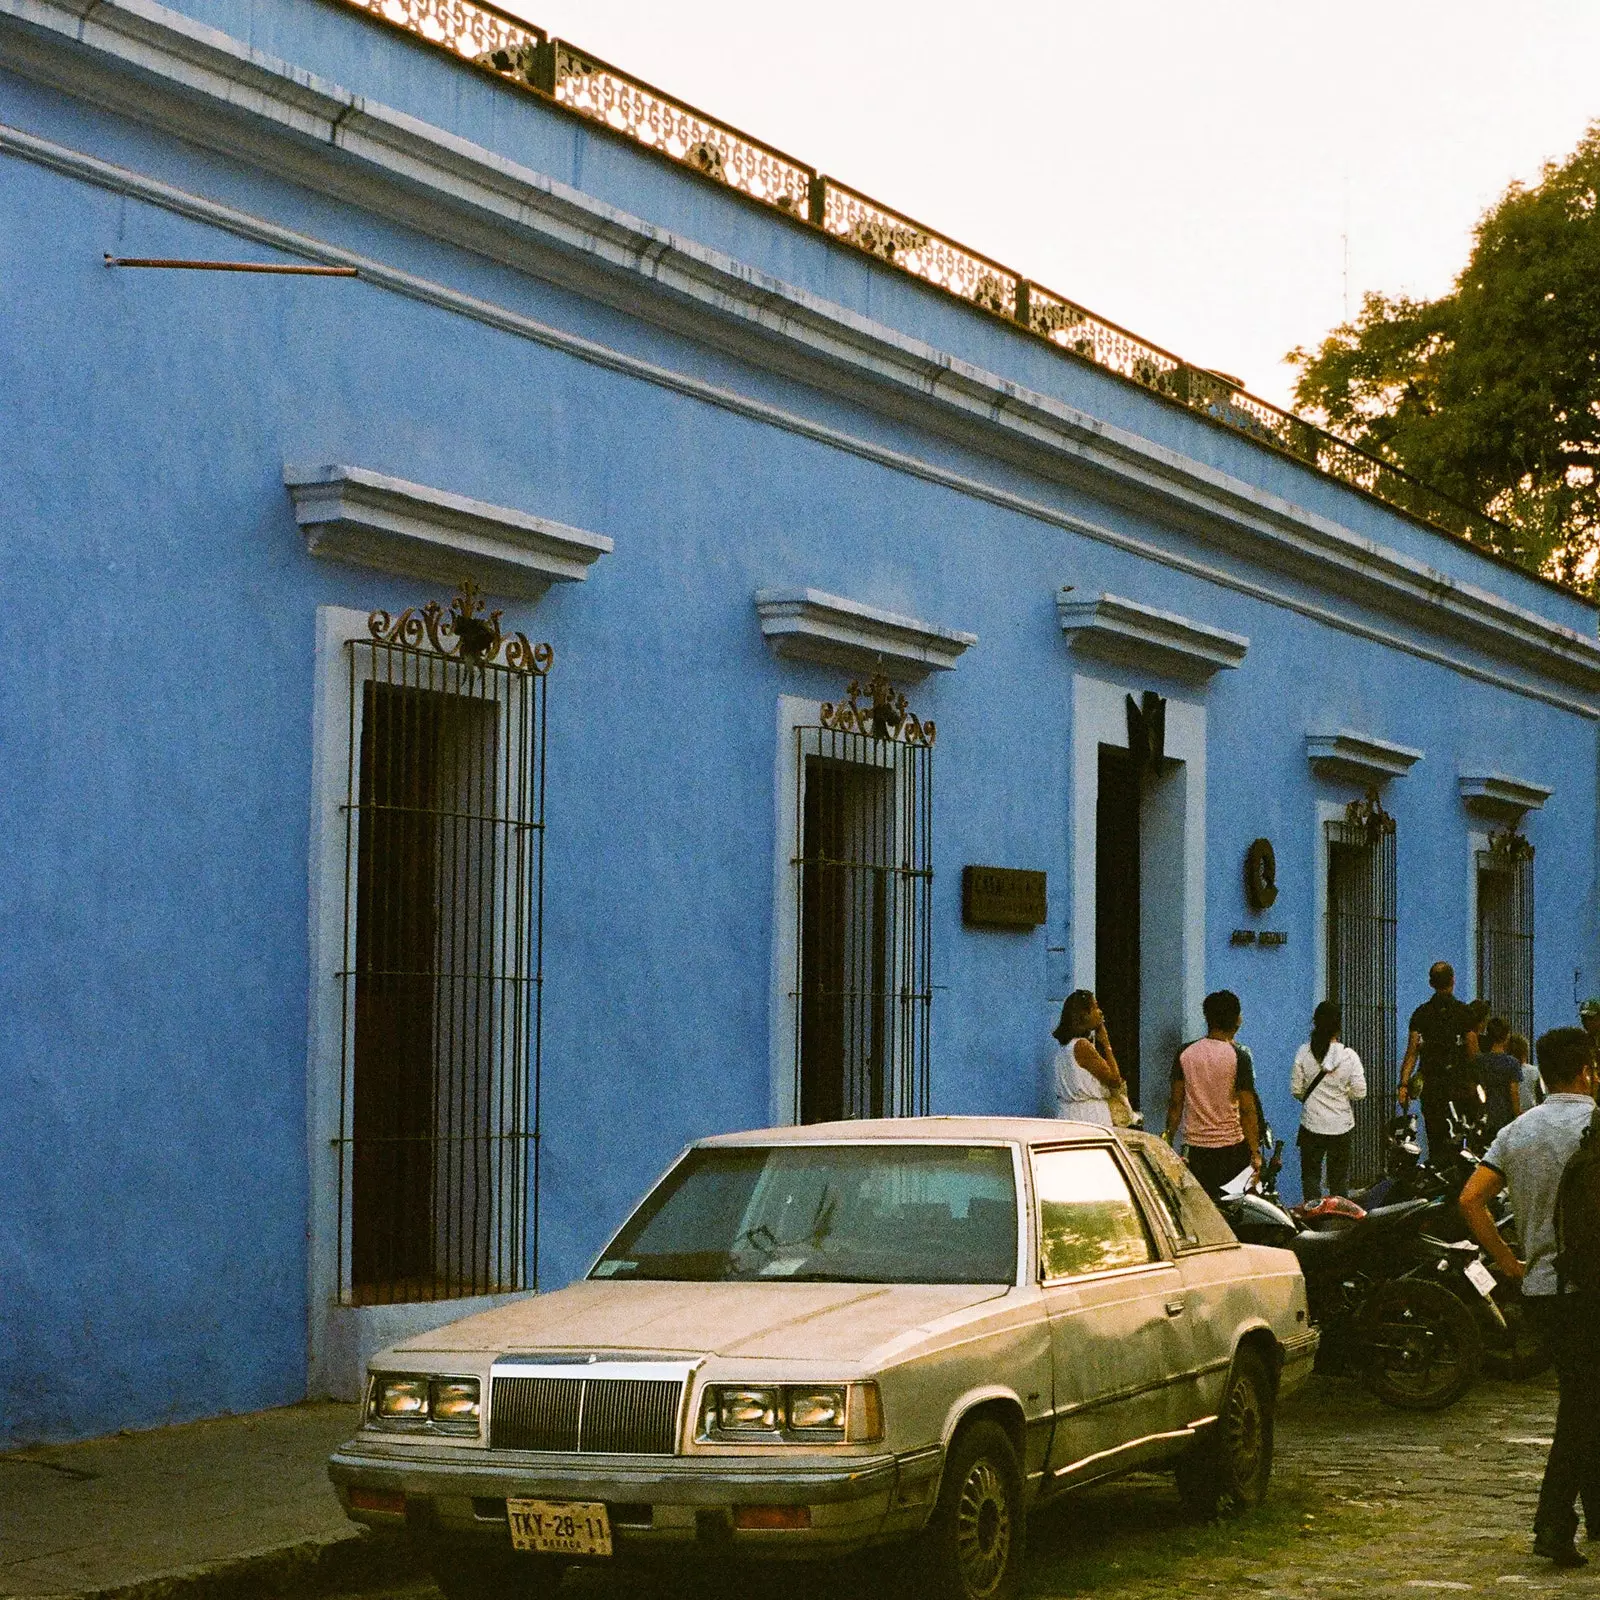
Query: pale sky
{"x": 1189, "y": 170}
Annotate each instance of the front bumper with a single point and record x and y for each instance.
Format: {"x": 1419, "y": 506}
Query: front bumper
{"x": 654, "y": 1499}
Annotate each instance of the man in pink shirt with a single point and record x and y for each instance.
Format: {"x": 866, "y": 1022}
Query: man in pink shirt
{"x": 1214, "y": 1096}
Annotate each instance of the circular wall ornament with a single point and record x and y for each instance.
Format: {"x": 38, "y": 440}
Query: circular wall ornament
{"x": 1261, "y": 874}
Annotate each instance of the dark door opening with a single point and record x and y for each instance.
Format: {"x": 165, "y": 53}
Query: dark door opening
{"x": 846, "y": 915}
{"x": 1116, "y": 910}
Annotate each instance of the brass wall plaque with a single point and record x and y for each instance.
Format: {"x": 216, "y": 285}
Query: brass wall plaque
{"x": 1002, "y": 897}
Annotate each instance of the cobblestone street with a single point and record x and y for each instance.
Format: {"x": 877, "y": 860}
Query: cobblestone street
{"x": 1366, "y": 1501}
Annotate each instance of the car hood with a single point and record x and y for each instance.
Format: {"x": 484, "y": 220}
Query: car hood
{"x": 827, "y": 1321}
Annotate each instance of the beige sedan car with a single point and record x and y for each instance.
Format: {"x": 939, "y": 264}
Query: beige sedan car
{"x": 808, "y": 1340}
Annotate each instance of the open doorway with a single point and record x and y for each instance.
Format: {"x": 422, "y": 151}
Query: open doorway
{"x": 1117, "y": 907}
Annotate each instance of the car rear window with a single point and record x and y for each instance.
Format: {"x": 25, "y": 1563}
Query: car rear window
{"x": 865, "y": 1213}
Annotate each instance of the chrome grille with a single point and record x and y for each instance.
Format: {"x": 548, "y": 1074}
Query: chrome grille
{"x": 612, "y": 1416}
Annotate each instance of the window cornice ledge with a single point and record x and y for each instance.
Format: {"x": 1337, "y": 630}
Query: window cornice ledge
{"x": 1358, "y": 757}
{"x": 809, "y": 625}
{"x": 367, "y": 518}
{"x": 1115, "y": 629}
{"x": 1499, "y": 795}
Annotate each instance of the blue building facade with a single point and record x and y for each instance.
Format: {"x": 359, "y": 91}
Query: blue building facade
{"x": 725, "y": 465}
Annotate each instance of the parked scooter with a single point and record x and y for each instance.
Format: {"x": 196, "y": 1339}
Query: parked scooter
{"x": 1379, "y": 1289}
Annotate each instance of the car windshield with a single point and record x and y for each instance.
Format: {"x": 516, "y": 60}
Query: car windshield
{"x": 863, "y": 1213}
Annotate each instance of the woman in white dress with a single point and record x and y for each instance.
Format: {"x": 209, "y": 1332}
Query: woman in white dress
{"x": 1325, "y": 1078}
{"x": 1086, "y": 1073}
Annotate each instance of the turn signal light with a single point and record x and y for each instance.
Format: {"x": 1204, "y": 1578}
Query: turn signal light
{"x": 387, "y": 1502}
{"x": 772, "y": 1516}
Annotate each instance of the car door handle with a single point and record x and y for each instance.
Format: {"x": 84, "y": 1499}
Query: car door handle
{"x": 1175, "y": 1306}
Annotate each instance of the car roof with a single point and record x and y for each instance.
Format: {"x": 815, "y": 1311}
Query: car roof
{"x": 932, "y": 1130}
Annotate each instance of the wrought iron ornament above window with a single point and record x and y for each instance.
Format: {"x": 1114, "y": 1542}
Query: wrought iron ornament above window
{"x": 1505, "y": 928}
{"x": 1361, "y": 975}
{"x": 443, "y": 945}
{"x": 863, "y": 897}
{"x": 478, "y": 32}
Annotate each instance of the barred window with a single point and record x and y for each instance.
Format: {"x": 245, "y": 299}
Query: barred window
{"x": 1361, "y": 974}
{"x": 444, "y": 852}
{"x": 1505, "y": 929}
{"x": 862, "y": 859}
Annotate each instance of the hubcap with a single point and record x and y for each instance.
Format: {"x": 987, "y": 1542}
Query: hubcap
{"x": 983, "y": 1528}
{"x": 1244, "y": 1432}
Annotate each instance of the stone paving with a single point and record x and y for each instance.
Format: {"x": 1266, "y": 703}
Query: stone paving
{"x": 1366, "y": 1501}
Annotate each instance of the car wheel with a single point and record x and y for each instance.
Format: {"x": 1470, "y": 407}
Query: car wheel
{"x": 464, "y": 1572}
{"x": 1228, "y": 1468}
{"x": 974, "y": 1540}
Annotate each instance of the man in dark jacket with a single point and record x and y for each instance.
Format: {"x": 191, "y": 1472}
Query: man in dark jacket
{"x": 1442, "y": 1036}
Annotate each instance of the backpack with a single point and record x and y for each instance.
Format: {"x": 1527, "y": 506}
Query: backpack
{"x": 1577, "y": 1216}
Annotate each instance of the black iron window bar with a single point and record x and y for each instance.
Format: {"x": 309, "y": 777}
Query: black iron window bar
{"x": 1361, "y": 973}
{"x": 1505, "y": 928}
{"x": 442, "y": 977}
{"x": 863, "y": 900}
{"x": 484, "y": 36}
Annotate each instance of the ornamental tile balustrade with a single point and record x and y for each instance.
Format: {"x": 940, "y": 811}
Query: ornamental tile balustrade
{"x": 594, "y": 89}
{"x": 523, "y": 54}
{"x": 891, "y": 237}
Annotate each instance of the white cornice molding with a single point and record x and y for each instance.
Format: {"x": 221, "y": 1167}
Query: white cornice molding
{"x": 1498, "y": 795}
{"x": 1358, "y": 757}
{"x": 809, "y": 625}
{"x": 369, "y": 519}
{"x": 147, "y": 61}
{"x": 1122, "y": 631}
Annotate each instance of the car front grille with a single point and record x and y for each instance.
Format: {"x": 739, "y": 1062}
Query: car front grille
{"x": 611, "y": 1416}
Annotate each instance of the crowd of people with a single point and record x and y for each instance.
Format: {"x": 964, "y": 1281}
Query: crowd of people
{"x": 1463, "y": 1065}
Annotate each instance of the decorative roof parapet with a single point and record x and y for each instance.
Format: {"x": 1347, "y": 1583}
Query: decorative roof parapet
{"x": 810, "y": 625}
{"x": 1358, "y": 757}
{"x": 1108, "y": 626}
{"x": 1498, "y": 795}
{"x": 367, "y": 518}
{"x": 521, "y": 53}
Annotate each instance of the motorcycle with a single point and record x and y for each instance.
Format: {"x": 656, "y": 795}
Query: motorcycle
{"x": 1374, "y": 1289}
{"x": 1384, "y": 1292}
{"x": 1512, "y": 1349}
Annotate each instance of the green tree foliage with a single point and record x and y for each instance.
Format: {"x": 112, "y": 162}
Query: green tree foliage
{"x": 1491, "y": 393}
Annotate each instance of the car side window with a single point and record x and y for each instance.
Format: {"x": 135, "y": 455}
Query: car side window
{"x": 1089, "y": 1220}
{"x": 1196, "y": 1222}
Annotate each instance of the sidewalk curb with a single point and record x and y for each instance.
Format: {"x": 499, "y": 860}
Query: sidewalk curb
{"x": 355, "y": 1560}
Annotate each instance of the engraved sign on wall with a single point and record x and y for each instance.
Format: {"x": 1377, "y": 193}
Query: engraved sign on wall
{"x": 1002, "y": 897}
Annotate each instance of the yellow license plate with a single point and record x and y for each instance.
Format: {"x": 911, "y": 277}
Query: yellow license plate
{"x": 560, "y": 1527}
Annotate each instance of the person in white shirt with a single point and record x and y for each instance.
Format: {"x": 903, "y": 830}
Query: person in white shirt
{"x": 1326, "y": 1077}
{"x": 1085, "y": 1072}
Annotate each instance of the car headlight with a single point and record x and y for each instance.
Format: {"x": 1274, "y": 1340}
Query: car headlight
{"x": 748, "y": 1410}
{"x": 453, "y": 1403}
{"x": 813, "y": 1409}
{"x": 796, "y": 1413}
{"x": 415, "y": 1400}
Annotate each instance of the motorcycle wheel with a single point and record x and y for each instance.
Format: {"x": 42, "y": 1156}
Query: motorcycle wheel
{"x": 1422, "y": 1346}
{"x": 1520, "y": 1353}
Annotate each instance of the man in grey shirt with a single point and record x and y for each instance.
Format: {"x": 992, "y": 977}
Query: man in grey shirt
{"x": 1528, "y": 1156}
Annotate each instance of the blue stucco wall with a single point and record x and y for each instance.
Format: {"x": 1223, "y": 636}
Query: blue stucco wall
{"x": 157, "y": 645}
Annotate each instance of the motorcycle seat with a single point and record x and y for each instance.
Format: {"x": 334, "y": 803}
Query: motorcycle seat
{"x": 1320, "y": 1248}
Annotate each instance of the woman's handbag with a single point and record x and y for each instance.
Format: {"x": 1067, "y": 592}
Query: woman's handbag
{"x": 1122, "y": 1112}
